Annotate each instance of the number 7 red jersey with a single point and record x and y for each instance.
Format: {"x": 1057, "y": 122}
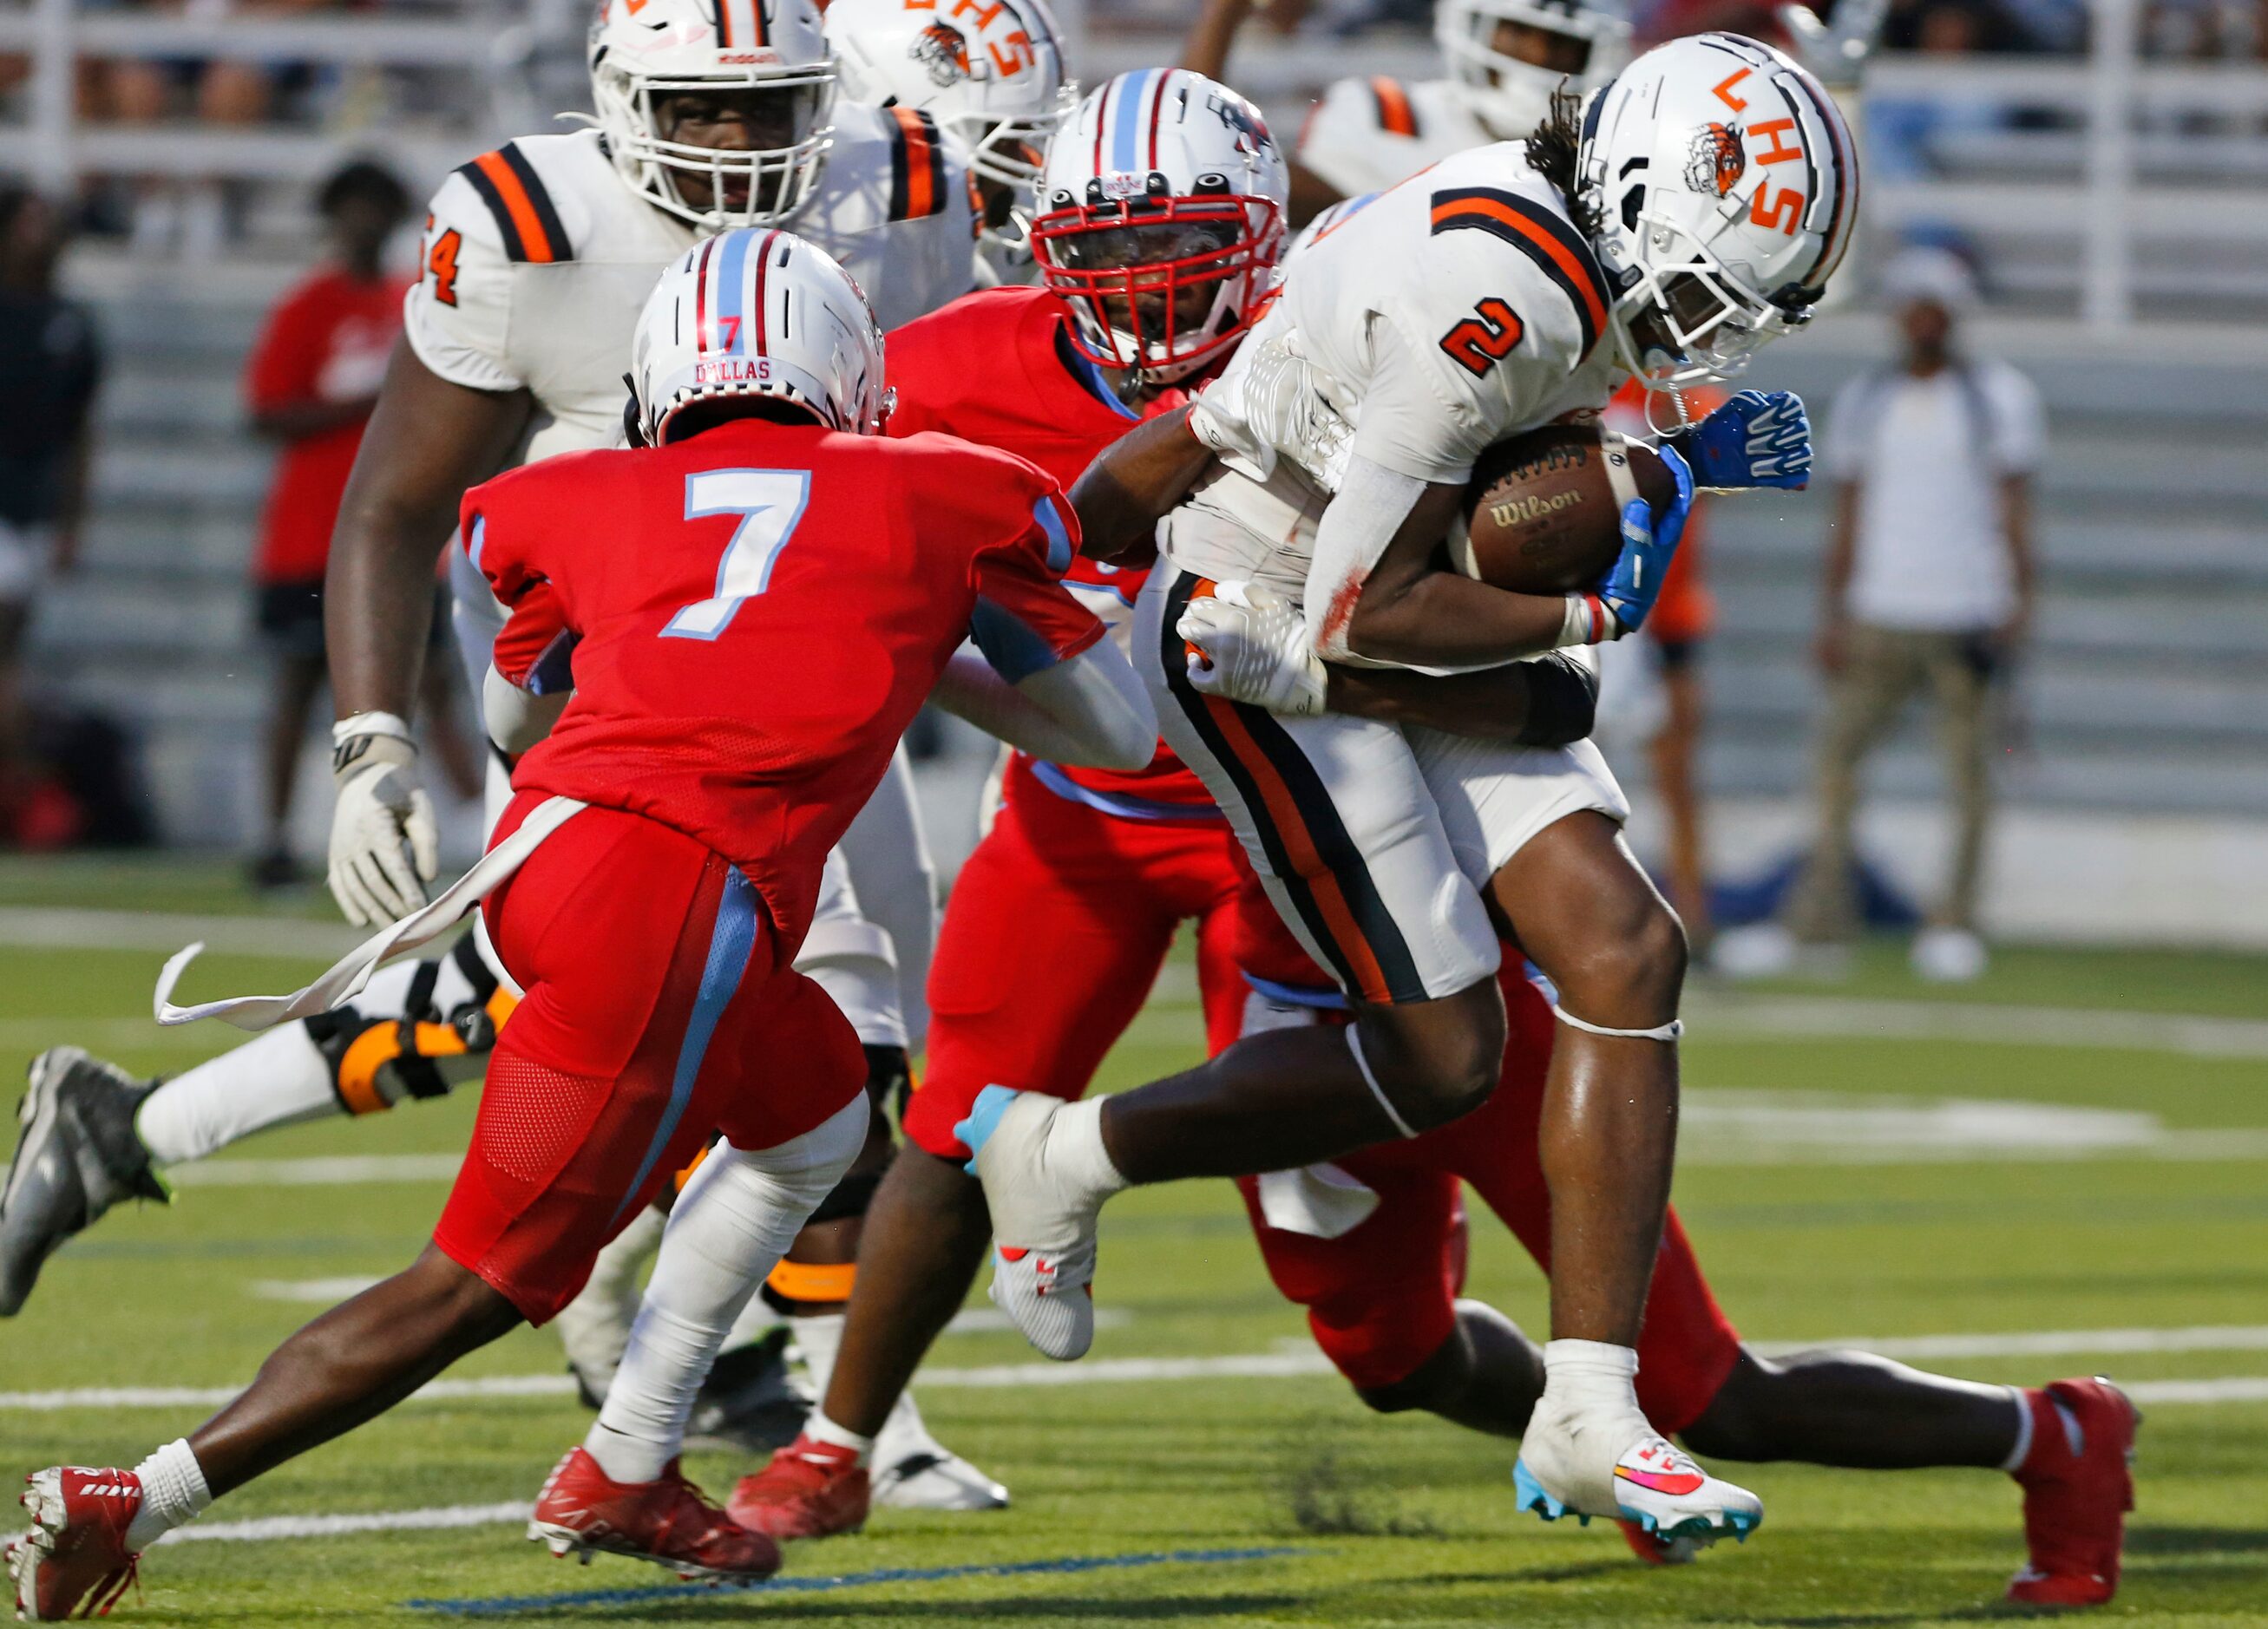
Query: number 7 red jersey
{"x": 753, "y": 616}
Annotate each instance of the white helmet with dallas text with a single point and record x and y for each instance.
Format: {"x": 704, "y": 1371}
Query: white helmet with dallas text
{"x": 767, "y": 58}
{"x": 758, "y": 311}
{"x": 1162, "y": 217}
{"x": 1727, "y": 189}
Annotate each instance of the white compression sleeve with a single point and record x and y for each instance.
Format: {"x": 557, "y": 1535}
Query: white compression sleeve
{"x": 733, "y": 1223}
{"x": 888, "y": 855}
{"x": 1090, "y": 709}
{"x": 515, "y": 720}
{"x": 1361, "y": 519}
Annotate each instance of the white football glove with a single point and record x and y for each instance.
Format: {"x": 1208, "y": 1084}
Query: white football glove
{"x": 1272, "y": 400}
{"x": 385, "y": 845}
{"x": 1251, "y": 646}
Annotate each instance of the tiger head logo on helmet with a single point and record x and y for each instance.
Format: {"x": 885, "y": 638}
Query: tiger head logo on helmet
{"x": 1716, "y": 159}
{"x": 943, "y": 51}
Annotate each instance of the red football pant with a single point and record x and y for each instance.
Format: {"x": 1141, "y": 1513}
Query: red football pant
{"x": 660, "y": 1008}
{"x": 1379, "y": 1297}
{"x": 1053, "y": 935}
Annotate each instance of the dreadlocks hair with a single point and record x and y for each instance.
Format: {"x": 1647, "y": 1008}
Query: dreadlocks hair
{"x": 1552, "y": 147}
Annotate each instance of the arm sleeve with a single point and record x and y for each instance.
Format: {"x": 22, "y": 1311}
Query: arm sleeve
{"x": 458, "y": 314}
{"x": 1025, "y": 620}
{"x": 1361, "y": 520}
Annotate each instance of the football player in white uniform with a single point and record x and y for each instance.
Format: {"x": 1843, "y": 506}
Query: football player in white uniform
{"x": 992, "y": 75}
{"x": 1695, "y": 212}
{"x": 536, "y": 259}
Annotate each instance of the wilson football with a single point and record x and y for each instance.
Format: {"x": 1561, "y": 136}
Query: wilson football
{"x": 1543, "y": 514}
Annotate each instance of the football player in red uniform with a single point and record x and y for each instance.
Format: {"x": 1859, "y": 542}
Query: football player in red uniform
{"x": 1373, "y": 1246}
{"x": 756, "y": 603}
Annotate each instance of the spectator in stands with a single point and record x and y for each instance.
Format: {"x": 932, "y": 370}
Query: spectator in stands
{"x": 311, "y": 384}
{"x": 1929, "y": 585}
{"x": 50, "y": 365}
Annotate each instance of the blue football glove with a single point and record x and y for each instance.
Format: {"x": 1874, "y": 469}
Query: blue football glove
{"x": 1759, "y": 439}
{"x": 1649, "y": 544}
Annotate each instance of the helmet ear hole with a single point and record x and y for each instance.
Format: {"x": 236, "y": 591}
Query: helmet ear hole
{"x": 1633, "y": 202}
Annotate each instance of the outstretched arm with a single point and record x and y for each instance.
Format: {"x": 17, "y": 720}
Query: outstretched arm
{"x": 1122, "y": 495}
{"x": 1089, "y": 710}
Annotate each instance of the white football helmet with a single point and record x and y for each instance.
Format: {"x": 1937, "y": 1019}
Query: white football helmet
{"x": 1726, "y": 185}
{"x": 991, "y": 75}
{"x": 643, "y": 50}
{"x": 758, "y": 311}
{"x": 1507, "y": 94}
{"x": 1162, "y": 218}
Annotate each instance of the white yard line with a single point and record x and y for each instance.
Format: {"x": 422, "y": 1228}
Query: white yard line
{"x": 70, "y": 928}
{"x": 1295, "y": 1359}
{"x": 271, "y": 1527}
{"x": 1810, "y": 1016}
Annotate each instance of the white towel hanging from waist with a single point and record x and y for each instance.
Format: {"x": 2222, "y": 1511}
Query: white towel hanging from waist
{"x": 347, "y": 977}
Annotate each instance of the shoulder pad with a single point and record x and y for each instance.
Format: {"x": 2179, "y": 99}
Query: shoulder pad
{"x": 518, "y": 205}
{"x": 1543, "y": 235}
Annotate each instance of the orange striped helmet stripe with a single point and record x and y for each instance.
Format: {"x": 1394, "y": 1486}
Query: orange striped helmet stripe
{"x": 519, "y": 205}
{"x": 1542, "y": 239}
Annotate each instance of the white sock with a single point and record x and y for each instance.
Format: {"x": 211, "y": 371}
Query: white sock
{"x": 819, "y": 1429}
{"x": 2023, "y": 1451}
{"x": 1075, "y": 1149}
{"x": 1584, "y": 1376}
{"x": 756, "y": 1320}
{"x": 904, "y": 1432}
{"x": 173, "y": 1491}
{"x": 817, "y": 1337}
{"x": 733, "y": 1223}
{"x": 277, "y": 1079}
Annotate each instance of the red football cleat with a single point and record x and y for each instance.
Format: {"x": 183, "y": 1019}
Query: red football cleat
{"x": 2079, "y": 1485}
{"x": 667, "y": 1520}
{"x": 76, "y": 1551}
{"x": 810, "y": 1490}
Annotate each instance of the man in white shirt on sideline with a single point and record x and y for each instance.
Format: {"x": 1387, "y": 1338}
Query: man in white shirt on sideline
{"x": 1928, "y": 586}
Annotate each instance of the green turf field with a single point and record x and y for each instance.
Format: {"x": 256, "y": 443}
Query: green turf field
{"x": 2076, "y": 1148}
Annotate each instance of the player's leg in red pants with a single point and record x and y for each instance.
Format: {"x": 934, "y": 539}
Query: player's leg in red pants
{"x": 1051, "y": 941}
{"x": 659, "y": 1007}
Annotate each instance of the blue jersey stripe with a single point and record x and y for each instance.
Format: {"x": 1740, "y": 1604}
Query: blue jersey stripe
{"x": 1060, "y": 550}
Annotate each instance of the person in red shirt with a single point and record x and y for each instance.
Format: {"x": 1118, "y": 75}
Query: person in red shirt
{"x": 747, "y": 612}
{"x": 311, "y": 383}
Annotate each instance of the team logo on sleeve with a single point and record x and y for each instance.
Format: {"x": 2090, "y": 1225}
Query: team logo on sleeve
{"x": 1715, "y": 161}
{"x": 943, "y": 52}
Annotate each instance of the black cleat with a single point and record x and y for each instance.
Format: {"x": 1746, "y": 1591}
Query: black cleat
{"x": 750, "y": 1401}
{"x": 76, "y": 1155}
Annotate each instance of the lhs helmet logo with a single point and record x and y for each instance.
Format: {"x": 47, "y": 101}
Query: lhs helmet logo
{"x": 1715, "y": 161}
{"x": 943, "y": 50}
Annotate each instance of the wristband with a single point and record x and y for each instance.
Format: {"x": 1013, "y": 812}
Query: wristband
{"x": 352, "y": 736}
{"x": 1588, "y": 622}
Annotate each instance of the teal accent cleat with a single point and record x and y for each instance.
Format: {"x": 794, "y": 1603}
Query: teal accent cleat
{"x": 983, "y": 1120}
{"x": 1531, "y": 1494}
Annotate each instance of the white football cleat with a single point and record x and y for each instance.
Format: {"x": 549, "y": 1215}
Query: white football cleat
{"x": 1043, "y": 1219}
{"x": 1563, "y": 1469}
{"x": 912, "y": 1471}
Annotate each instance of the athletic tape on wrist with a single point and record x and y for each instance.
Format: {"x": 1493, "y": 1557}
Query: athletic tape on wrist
{"x": 1354, "y": 1045}
{"x": 1669, "y": 1032}
{"x": 371, "y": 723}
{"x": 1587, "y": 621}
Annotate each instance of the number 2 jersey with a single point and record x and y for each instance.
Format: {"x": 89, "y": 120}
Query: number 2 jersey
{"x": 756, "y": 615}
{"x": 999, "y": 368}
{"x": 1448, "y": 312}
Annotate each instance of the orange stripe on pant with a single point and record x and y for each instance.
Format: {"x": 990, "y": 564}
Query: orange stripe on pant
{"x": 537, "y": 242}
{"x": 1307, "y": 860}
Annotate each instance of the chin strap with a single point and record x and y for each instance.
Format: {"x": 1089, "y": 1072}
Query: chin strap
{"x": 1669, "y": 1032}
